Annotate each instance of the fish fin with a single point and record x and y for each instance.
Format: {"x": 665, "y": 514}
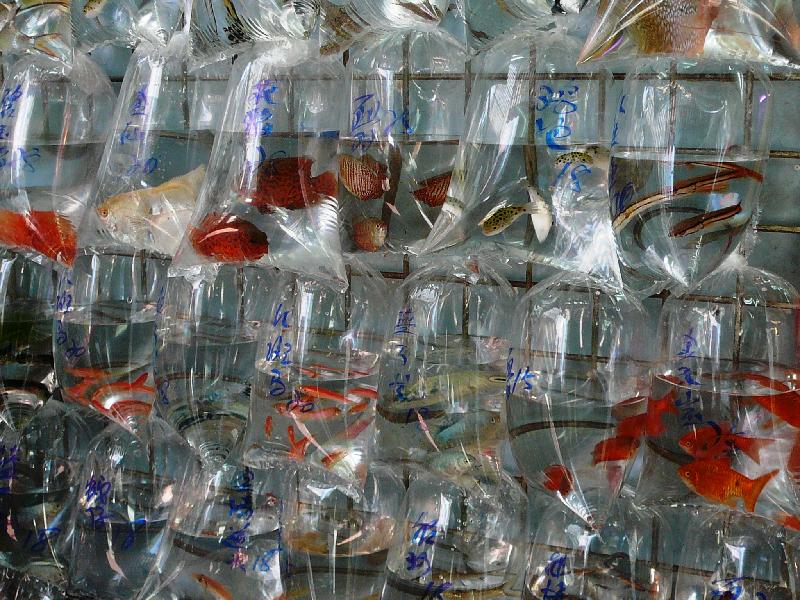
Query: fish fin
{"x": 541, "y": 217}
{"x": 392, "y": 208}
{"x": 755, "y": 487}
{"x": 139, "y": 227}
{"x": 752, "y": 447}
{"x": 139, "y": 380}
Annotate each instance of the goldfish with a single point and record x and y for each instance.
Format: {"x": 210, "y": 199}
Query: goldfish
{"x": 716, "y": 441}
{"x": 705, "y": 221}
{"x": 369, "y": 234}
{"x": 502, "y": 217}
{"x": 365, "y": 178}
{"x": 714, "y": 480}
{"x": 651, "y": 422}
{"x": 590, "y": 156}
{"x": 613, "y": 449}
{"x": 213, "y": 587}
{"x": 317, "y": 414}
{"x": 298, "y": 447}
{"x": 153, "y": 217}
{"x": 433, "y": 191}
{"x": 558, "y": 479}
{"x": 228, "y": 238}
{"x": 287, "y": 183}
{"x": 268, "y": 427}
{"x": 93, "y": 8}
{"x": 316, "y": 391}
{"x": 783, "y": 406}
{"x": 790, "y": 521}
{"x": 46, "y": 232}
{"x": 138, "y": 385}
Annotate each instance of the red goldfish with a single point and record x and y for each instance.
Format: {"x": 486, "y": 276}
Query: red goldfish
{"x": 317, "y": 414}
{"x": 714, "y": 480}
{"x": 316, "y": 391}
{"x": 616, "y": 448}
{"x": 268, "y": 427}
{"x": 365, "y": 178}
{"x": 649, "y": 423}
{"x": 228, "y": 238}
{"x": 298, "y": 447}
{"x": 716, "y": 441}
{"x": 287, "y": 183}
{"x": 558, "y": 479}
{"x": 433, "y": 191}
{"x": 45, "y": 232}
{"x": 369, "y": 235}
{"x": 213, "y": 587}
{"x": 789, "y": 521}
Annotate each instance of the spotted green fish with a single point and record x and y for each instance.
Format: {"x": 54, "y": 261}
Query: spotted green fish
{"x": 593, "y": 155}
{"x": 502, "y": 217}
{"x": 92, "y": 8}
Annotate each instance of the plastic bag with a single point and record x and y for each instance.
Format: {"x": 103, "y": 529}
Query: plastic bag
{"x": 141, "y": 203}
{"x": 31, "y": 27}
{"x": 224, "y": 27}
{"x": 724, "y": 553}
{"x": 125, "y": 22}
{"x": 126, "y": 493}
{"x": 336, "y": 542}
{"x": 224, "y": 536}
{"x": 523, "y": 139}
{"x": 630, "y": 557}
{"x": 450, "y": 539}
{"x": 443, "y": 367}
{"x": 204, "y": 364}
{"x": 400, "y": 136}
{"x": 315, "y": 384}
{"x": 685, "y": 174}
{"x": 343, "y": 22}
{"x": 764, "y": 31}
{"x": 53, "y": 119}
{"x": 269, "y": 198}
{"x": 578, "y": 378}
{"x": 727, "y": 373}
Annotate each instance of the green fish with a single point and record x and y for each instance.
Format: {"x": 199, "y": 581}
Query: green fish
{"x": 591, "y": 156}
{"x": 502, "y": 217}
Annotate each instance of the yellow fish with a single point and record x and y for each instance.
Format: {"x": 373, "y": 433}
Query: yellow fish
{"x": 502, "y": 217}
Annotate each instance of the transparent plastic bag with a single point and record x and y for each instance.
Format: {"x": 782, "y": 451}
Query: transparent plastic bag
{"x": 34, "y": 27}
{"x": 687, "y": 157}
{"x": 270, "y": 194}
{"x": 224, "y": 27}
{"x": 726, "y": 555}
{"x": 443, "y": 367}
{"x": 578, "y": 381}
{"x": 765, "y": 31}
{"x": 456, "y": 540}
{"x": 39, "y": 478}
{"x": 141, "y": 203}
{"x": 400, "y": 136}
{"x": 728, "y": 367}
{"x": 127, "y": 489}
{"x": 207, "y": 338}
{"x": 124, "y": 22}
{"x": 53, "y": 119}
{"x": 630, "y": 557}
{"x": 532, "y": 129}
{"x": 225, "y": 536}
{"x": 337, "y": 543}
{"x": 343, "y": 22}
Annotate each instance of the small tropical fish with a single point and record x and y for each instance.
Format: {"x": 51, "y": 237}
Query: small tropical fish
{"x": 106, "y": 395}
{"x": 705, "y": 221}
{"x": 365, "y": 178}
{"x": 469, "y": 427}
{"x": 228, "y": 238}
{"x": 451, "y": 462}
{"x": 590, "y": 156}
{"x": 369, "y": 234}
{"x": 433, "y": 191}
{"x": 783, "y": 406}
{"x": 558, "y": 479}
{"x": 93, "y": 8}
{"x": 637, "y": 426}
{"x": 24, "y": 5}
{"x": 153, "y": 217}
{"x": 268, "y": 426}
{"x": 613, "y": 449}
{"x": 318, "y": 414}
{"x": 363, "y": 392}
{"x": 213, "y": 587}
{"x": 316, "y": 391}
{"x": 790, "y": 521}
{"x": 502, "y": 217}
{"x": 717, "y": 441}
{"x": 46, "y": 232}
{"x": 298, "y": 447}
{"x": 651, "y": 422}
{"x": 714, "y": 480}
{"x": 287, "y": 183}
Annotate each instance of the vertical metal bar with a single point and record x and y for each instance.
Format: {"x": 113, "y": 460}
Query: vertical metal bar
{"x": 395, "y": 155}
{"x": 348, "y": 297}
{"x": 595, "y": 326}
{"x": 529, "y": 149}
{"x": 187, "y": 115}
{"x": 737, "y": 324}
{"x": 465, "y": 302}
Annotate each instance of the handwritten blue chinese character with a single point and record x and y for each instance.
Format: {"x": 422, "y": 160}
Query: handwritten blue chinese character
{"x": 29, "y": 158}
{"x": 399, "y": 384}
{"x": 75, "y": 351}
{"x": 9, "y": 100}
{"x": 416, "y": 561}
{"x": 281, "y": 316}
{"x": 61, "y": 335}
{"x": 405, "y": 322}
{"x": 4, "y": 132}
{"x": 263, "y": 91}
{"x": 424, "y": 532}
{"x": 139, "y": 105}
{"x": 402, "y": 353}
{"x": 435, "y": 592}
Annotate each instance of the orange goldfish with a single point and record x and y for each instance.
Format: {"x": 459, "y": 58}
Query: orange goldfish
{"x": 213, "y": 587}
{"x": 268, "y": 426}
{"x": 45, "y": 232}
{"x": 616, "y": 448}
{"x": 365, "y": 178}
{"x": 717, "y": 441}
{"x": 287, "y": 183}
{"x": 298, "y": 450}
{"x": 369, "y": 234}
{"x": 714, "y": 480}
{"x": 228, "y": 238}
{"x": 316, "y": 391}
{"x": 789, "y": 521}
{"x": 433, "y": 191}
{"x": 317, "y": 414}
{"x": 558, "y": 479}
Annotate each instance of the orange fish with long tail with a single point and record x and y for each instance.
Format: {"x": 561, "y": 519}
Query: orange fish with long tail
{"x": 433, "y": 191}
{"x": 287, "y": 183}
{"x": 717, "y": 441}
{"x": 228, "y": 238}
{"x": 365, "y": 178}
{"x": 714, "y": 480}
{"x": 45, "y": 232}
{"x": 213, "y": 587}
{"x": 298, "y": 447}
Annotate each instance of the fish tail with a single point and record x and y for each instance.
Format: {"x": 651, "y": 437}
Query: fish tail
{"x": 595, "y": 52}
{"x": 326, "y": 184}
{"x": 754, "y": 489}
{"x": 752, "y": 447}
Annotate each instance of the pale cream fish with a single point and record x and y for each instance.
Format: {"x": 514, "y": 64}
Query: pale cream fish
{"x": 154, "y": 217}
{"x": 594, "y": 156}
{"x": 502, "y": 217}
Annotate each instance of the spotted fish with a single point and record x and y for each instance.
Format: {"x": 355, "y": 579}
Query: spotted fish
{"x": 593, "y": 155}
{"x": 502, "y": 217}
{"x": 365, "y": 178}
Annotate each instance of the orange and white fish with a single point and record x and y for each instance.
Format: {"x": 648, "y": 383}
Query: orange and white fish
{"x": 714, "y": 480}
{"x": 213, "y": 587}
